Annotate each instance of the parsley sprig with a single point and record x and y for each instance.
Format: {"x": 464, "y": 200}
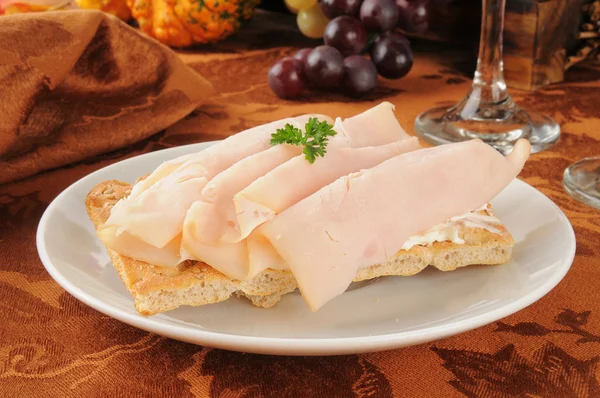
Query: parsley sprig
{"x": 314, "y": 139}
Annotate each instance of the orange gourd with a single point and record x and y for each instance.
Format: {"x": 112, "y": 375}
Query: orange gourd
{"x": 181, "y": 23}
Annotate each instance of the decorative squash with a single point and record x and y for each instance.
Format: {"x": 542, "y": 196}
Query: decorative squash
{"x": 181, "y": 23}
{"x": 119, "y": 8}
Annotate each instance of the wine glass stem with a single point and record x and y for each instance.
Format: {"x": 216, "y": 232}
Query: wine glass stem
{"x": 488, "y": 82}
{"x": 487, "y": 112}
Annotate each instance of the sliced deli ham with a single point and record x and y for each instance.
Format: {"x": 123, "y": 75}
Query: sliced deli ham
{"x": 223, "y": 154}
{"x": 364, "y": 218}
{"x": 211, "y": 226}
{"x": 277, "y": 190}
{"x": 284, "y": 176}
{"x": 155, "y": 211}
{"x": 206, "y": 219}
{"x": 210, "y": 216}
{"x": 374, "y": 127}
{"x": 191, "y": 199}
{"x": 294, "y": 180}
{"x": 154, "y": 217}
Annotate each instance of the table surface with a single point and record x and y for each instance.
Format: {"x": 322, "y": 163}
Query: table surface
{"x": 52, "y": 345}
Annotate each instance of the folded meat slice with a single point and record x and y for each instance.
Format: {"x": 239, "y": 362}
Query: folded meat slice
{"x": 231, "y": 259}
{"x": 262, "y": 255}
{"x": 364, "y": 218}
{"x": 162, "y": 171}
{"x": 294, "y": 180}
{"x": 206, "y": 219}
{"x": 212, "y": 221}
{"x": 131, "y": 246}
{"x": 150, "y": 216}
{"x": 373, "y": 127}
{"x": 210, "y": 216}
{"x": 285, "y": 182}
{"x": 236, "y": 147}
{"x": 211, "y": 226}
{"x": 223, "y": 154}
{"x": 155, "y": 210}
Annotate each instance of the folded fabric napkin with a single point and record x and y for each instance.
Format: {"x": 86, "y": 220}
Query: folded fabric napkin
{"x": 77, "y": 83}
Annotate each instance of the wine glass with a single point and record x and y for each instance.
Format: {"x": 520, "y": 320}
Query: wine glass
{"x": 488, "y": 112}
{"x": 581, "y": 180}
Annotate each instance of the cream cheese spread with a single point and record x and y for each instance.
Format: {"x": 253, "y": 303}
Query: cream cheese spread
{"x": 448, "y": 231}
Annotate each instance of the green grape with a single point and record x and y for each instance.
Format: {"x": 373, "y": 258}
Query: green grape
{"x": 300, "y": 4}
{"x": 312, "y": 22}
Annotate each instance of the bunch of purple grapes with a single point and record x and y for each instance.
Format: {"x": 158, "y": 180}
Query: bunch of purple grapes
{"x": 356, "y": 28}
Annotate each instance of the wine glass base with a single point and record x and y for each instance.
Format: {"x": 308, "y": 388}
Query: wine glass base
{"x": 499, "y": 125}
{"x": 581, "y": 180}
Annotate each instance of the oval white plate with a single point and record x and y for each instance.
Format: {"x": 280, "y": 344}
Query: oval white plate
{"x": 389, "y": 313}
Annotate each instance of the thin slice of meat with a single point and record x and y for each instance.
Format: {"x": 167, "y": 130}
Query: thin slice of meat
{"x": 155, "y": 210}
{"x": 296, "y": 179}
{"x": 363, "y": 218}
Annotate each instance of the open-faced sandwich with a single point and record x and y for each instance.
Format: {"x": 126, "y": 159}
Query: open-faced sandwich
{"x": 305, "y": 202}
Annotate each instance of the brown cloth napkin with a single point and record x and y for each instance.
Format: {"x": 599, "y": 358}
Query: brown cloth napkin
{"x": 77, "y": 83}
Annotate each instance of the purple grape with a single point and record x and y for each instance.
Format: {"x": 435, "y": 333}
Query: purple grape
{"x": 335, "y": 8}
{"x": 413, "y": 15}
{"x": 379, "y": 15}
{"x": 285, "y": 78}
{"x": 346, "y": 34}
{"x": 301, "y": 56}
{"x": 324, "y": 67}
{"x": 360, "y": 75}
{"x": 393, "y": 58}
{"x": 393, "y": 36}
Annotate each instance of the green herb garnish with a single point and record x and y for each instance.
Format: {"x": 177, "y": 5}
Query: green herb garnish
{"x": 314, "y": 139}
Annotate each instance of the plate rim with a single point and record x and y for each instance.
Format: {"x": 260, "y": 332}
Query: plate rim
{"x": 321, "y": 346}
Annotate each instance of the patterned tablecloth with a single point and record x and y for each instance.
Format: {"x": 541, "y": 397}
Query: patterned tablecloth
{"x": 51, "y": 345}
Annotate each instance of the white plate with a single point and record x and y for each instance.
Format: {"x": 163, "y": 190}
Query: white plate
{"x": 389, "y": 313}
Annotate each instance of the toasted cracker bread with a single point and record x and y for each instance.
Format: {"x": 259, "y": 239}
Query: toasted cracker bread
{"x": 158, "y": 289}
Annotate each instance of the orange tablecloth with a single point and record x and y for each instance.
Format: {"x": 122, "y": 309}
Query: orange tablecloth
{"x": 51, "y": 345}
